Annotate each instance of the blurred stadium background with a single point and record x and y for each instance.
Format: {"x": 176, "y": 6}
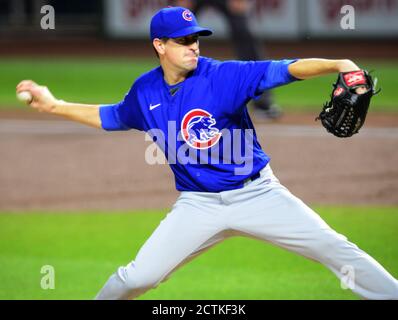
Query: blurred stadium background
{"x": 59, "y": 181}
{"x": 120, "y": 27}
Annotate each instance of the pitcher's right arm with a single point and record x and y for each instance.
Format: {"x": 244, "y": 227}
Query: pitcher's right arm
{"x": 44, "y": 101}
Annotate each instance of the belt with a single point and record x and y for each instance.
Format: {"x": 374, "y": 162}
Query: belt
{"x": 252, "y": 178}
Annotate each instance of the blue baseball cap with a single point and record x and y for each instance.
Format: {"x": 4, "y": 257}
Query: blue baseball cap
{"x": 175, "y": 22}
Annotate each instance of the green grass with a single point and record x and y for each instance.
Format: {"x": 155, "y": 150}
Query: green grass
{"x": 86, "y": 248}
{"x": 77, "y": 80}
{"x": 107, "y": 80}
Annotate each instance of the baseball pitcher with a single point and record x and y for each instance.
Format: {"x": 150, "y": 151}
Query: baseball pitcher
{"x": 226, "y": 184}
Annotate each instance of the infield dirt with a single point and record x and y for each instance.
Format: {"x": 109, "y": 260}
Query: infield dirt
{"x": 55, "y": 165}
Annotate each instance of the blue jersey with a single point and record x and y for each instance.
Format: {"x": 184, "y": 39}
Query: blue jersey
{"x": 202, "y": 124}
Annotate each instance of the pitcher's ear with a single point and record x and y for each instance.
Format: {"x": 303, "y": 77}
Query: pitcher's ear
{"x": 159, "y": 45}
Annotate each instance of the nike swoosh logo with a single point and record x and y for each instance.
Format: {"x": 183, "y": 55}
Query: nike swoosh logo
{"x": 151, "y": 107}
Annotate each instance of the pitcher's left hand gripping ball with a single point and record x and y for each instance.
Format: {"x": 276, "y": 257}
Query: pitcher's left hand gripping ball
{"x": 346, "y": 111}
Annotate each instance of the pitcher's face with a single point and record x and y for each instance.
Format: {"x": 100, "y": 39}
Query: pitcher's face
{"x": 182, "y": 52}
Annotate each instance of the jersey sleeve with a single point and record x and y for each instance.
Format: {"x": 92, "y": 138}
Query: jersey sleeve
{"x": 239, "y": 81}
{"x": 124, "y": 115}
{"x": 277, "y": 74}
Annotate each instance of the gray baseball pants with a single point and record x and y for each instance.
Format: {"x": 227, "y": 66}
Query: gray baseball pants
{"x": 263, "y": 209}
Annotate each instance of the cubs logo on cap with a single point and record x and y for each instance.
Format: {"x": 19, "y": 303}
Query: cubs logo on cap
{"x": 175, "y": 22}
{"x": 187, "y": 15}
{"x": 198, "y": 131}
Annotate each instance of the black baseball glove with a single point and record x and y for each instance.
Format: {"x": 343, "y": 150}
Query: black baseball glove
{"x": 346, "y": 111}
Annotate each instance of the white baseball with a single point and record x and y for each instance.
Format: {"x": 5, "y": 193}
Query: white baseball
{"x": 25, "y": 96}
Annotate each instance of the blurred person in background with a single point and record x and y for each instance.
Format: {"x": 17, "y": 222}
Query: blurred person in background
{"x": 245, "y": 44}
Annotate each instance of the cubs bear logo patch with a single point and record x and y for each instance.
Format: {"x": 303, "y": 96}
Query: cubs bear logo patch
{"x": 198, "y": 131}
